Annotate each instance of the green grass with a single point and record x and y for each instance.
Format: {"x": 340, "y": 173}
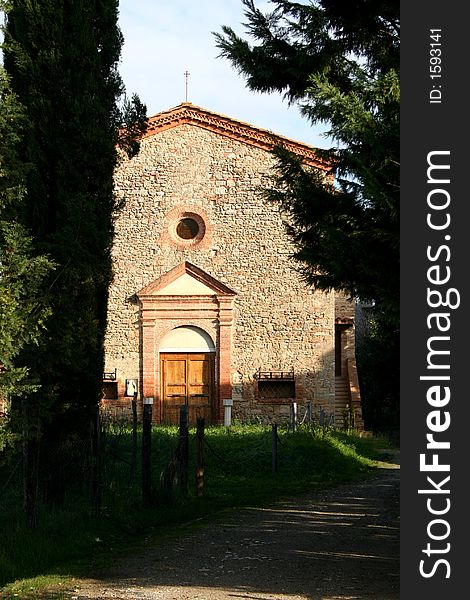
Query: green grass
{"x": 238, "y": 472}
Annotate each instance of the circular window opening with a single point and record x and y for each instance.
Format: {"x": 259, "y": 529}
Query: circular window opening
{"x": 187, "y": 229}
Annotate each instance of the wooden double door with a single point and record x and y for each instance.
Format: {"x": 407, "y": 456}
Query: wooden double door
{"x": 188, "y": 379}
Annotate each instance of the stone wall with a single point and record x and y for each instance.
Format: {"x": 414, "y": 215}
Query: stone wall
{"x": 345, "y": 308}
{"x": 279, "y": 324}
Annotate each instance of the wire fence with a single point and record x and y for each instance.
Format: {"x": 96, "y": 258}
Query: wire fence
{"x": 254, "y": 452}
{"x": 109, "y": 475}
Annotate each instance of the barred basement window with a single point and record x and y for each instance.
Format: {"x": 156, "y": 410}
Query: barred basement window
{"x": 110, "y": 390}
{"x": 275, "y": 385}
{"x": 110, "y": 386}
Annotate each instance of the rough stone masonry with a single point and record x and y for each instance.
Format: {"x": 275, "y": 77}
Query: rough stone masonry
{"x": 273, "y": 322}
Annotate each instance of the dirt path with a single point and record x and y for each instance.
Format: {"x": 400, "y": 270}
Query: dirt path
{"x": 340, "y": 544}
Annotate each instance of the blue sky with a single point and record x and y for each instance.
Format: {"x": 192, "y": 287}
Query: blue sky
{"x": 164, "y": 39}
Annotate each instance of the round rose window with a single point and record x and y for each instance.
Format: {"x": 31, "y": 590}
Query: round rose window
{"x": 187, "y": 229}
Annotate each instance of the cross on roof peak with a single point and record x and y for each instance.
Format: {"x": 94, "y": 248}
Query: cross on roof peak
{"x": 186, "y": 75}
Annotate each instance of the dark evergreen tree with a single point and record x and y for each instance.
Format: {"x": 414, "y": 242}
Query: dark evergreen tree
{"x": 23, "y": 314}
{"x": 23, "y": 310}
{"x": 338, "y": 60}
{"x": 62, "y": 58}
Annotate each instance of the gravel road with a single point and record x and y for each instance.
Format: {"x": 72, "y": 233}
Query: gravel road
{"x": 339, "y": 544}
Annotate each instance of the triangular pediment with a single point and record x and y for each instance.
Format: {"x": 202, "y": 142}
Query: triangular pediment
{"x": 186, "y": 280}
{"x": 188, "y": 113}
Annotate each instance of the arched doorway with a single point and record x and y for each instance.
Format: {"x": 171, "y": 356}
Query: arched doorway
{"x": 186, "y": 311}
{"x": 187, "y": 367}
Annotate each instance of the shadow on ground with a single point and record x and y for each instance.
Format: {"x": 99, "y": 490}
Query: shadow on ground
{"x": 340, "y": 544}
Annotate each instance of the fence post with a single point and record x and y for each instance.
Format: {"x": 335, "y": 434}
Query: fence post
{"x": 293, "y": 416}
{"x": 30, "y": 461}
{"x": 228, "y": 403}
{"x": 309, "y": 411}
{"x": 274, "y": 448}
{"x": 146, "y": 452}
{"x": 199, "y": 456}
{"x": 184, "y": 448}
{"x": 96, "y": 460}
{"x": 134, "y": 436}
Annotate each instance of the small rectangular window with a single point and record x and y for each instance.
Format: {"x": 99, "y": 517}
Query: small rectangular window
{"x": 276, "y": 385}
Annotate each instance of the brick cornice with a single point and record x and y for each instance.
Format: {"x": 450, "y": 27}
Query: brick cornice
{"x": 188, "y": 113}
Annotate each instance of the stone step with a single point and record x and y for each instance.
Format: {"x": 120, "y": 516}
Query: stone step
{"x": 342, "y": 398}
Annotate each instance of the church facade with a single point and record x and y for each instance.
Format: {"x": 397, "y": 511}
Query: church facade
{"x": 207, "y": 309}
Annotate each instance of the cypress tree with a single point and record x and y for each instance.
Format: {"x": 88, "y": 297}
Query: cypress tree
{"x": 23, "y": 314}
{"x": 62, "y": 58}
{"x": 23, "y": 309}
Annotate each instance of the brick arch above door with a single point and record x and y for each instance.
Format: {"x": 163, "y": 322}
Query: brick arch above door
{"x": 186, "y": 296}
